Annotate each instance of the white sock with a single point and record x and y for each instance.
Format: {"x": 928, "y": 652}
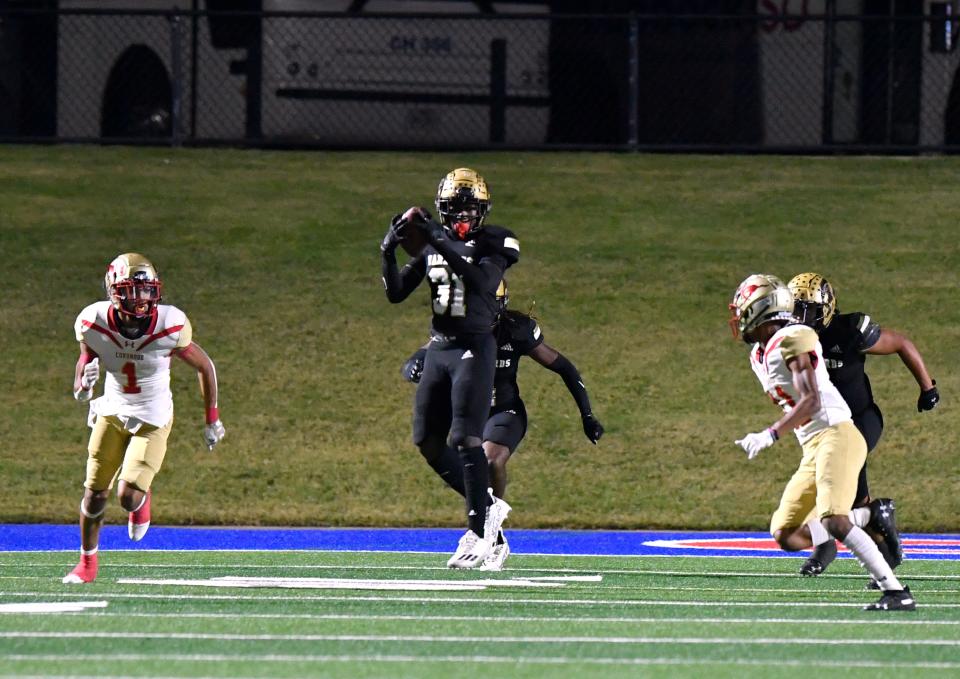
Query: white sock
{"x": 860, "y": 516}
{"x": 818, "y": 534}
{"x": 865, "y": 549}
{"x": 88, "y": 552}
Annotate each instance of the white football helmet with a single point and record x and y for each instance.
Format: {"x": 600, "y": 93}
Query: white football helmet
{"x": 132, "y": 285}
{"x": 759, "y": 299}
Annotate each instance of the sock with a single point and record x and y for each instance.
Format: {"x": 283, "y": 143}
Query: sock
{"x": 860, "y": 516}
{"x": 449, "y": 467}
{"x": 818, "y": 534}
{"x": 865, "y": 549}
{"x": 476, "y": 476}
{"x": 88, "y": 552}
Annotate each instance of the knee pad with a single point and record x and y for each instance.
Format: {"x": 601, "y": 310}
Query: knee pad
{"x": 461, "y": 441}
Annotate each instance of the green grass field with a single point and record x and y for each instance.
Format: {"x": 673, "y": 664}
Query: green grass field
{"x": 651, "y": 617}
{"x": 631, "y": 260}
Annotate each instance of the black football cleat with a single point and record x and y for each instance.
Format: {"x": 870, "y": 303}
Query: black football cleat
{"x": 822, "y": 556}
{"x": 883, "y": 521}
{"x": 894, "y": 600}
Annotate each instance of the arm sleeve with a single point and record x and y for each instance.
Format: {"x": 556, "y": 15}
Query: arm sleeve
{"x": 399, "y": 283}
{"x": 869, "y": 333}
{"x": 568, "y": 371}
{"x": 802, "y": 340}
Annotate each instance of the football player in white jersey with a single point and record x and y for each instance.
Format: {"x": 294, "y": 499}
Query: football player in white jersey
{"x": 133, "y": 336}
{"x": 788, "y": 360}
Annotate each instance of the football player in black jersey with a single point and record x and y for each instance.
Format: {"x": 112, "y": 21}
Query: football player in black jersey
{"x": 846, "y": 340}
{"x": 517, "y": 335}
{"x": 463, "y": 260}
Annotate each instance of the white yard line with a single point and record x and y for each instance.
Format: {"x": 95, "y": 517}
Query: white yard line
{"x": 484, "y": 601}
{"x": 431, "y": 639}
{"x": 52, "y": 607}
{"x": 867, "y": 620}
{"x": 461, "y": 659}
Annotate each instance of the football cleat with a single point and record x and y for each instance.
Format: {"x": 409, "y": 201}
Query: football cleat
{"x": 83, "y": 572}
{"x": 471, "y": 551}
{"x": 815, "y": 302}
{"x": 139, "y": 521}
{"x": 496, "y": 514}
{"x": 759, "y": 299}
{"x": 894, "y": 600}
{"x": 823, "y": 555}
{"x": 497, "y": 556}
{"x": 883, "y": 522}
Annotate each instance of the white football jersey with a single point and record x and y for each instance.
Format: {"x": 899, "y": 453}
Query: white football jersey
{"x": 137, "y": 384}
{"x": 770, "y": 365}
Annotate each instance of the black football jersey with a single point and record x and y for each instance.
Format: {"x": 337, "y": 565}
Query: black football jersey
{"x": 844, "y": 343}
{"x": 517, "y": 335}
{"x": 457, "y": 308}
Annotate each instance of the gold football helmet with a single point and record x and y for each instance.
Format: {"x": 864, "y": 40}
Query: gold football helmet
{"x": 132, "y": 285}
{"x": 463, "y": 201}
{"x": 759, "y": 299}
{"x": 503, "y": 296}
{"x": 815, "y": 302}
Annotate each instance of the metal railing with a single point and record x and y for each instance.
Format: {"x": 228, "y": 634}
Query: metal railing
{"x": 763, "y": 81}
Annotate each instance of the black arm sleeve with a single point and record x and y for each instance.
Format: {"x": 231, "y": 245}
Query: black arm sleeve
{"x": 399, "y": 283}
{"x": 571, "y": 378}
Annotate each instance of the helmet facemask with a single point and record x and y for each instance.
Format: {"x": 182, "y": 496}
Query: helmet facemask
{"x": 133, "y": 286}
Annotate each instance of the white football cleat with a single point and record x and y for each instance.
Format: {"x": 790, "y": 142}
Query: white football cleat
{"x": 496, "y": 515}
{"x": 471, "y": 551}
{"x": 497, "y": 556}
{"x": 138, "y": 522}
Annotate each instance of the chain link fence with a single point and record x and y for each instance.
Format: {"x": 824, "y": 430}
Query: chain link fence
{"x": 740, "y": 75}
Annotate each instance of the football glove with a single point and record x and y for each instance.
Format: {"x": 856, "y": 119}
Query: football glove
{"x": 592, "y": 428}
{"x": 754, "y": 443}
{"x": 89, "y": 377}
{"x": 928, "y": 399}
{"x": 213, "y": 433}
{"x": 394, "y": 234}
{"x": 433, "y": 231}
{"x": 413, "y": 368}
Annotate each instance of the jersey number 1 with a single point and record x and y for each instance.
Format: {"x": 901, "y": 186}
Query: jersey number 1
{"x": 130, "y": 370}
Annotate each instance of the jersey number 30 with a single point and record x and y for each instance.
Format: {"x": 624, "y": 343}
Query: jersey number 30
{"x": 449, "y": 295}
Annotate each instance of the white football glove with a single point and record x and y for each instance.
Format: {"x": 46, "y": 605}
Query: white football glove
{"x": 89, "y": 377}
{"x": 754, "y": 443}
{"x": 213, "y": 433}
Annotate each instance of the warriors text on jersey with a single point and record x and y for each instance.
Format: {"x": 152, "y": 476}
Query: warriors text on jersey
{"x": 770, "y": 365}
{"x": 137, "y": 384}
{"x": 457, "y": 308}
{"x": 517, "y": 335}
{"x": 845, "y": 342}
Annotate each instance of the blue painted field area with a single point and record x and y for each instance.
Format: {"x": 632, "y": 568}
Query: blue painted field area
{"x": 44, "y": 537}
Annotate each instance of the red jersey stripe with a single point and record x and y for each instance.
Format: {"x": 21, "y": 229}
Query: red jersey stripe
{"x": 168, "y": 331}
{"x": 101, "y": 329}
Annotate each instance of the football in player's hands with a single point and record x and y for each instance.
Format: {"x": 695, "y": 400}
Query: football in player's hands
{"x": 413, "y": 239}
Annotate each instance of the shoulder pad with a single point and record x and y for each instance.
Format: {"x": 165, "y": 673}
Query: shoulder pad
{"x": 503, "y": 242}
{"x": 797, "y": 339}
{"x": 868, "y": 331}
{"x": 85, "y": 319}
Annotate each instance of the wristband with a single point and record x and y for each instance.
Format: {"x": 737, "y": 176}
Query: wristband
{"x": 773, "y": 433}
{"x": 212, "y": 414}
